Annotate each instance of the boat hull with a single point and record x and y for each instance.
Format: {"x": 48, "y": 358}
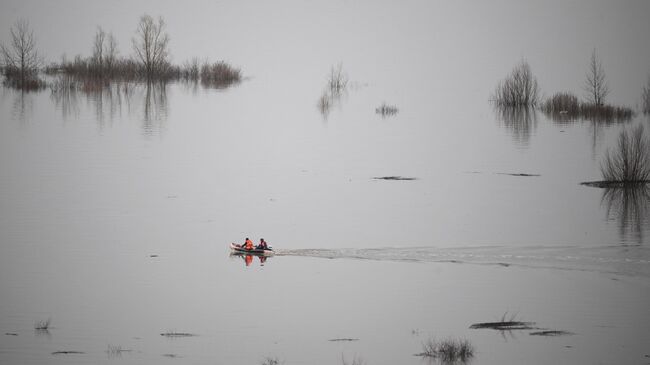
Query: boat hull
{"x": 238, "y": 250}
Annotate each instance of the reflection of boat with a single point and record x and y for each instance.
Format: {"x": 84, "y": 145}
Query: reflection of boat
{"x": 237, "y": 249}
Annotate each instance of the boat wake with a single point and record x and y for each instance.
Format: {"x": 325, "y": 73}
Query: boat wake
{"x": 629, "y": 261}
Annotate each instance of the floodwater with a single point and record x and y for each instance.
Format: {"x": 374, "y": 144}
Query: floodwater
{"x": 117, "y": 206}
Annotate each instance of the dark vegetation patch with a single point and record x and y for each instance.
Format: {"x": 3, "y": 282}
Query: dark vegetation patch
{"x": 171, "y": 356}
{"x": 11, "y": 334}
{"x": 398, "y": 178}
{"x": 66, "y": 352}
{"x": 551, "y": 333}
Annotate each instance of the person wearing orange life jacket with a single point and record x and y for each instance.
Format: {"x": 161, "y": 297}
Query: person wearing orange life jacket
{"x": 248, "y": 244}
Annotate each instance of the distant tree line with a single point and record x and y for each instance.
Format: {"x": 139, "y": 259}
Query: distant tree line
{"x": 150, "y": 61}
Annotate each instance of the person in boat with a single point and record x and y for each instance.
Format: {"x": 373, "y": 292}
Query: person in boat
{"x": 248, "y": 244}
{"x": 263, "y": 245}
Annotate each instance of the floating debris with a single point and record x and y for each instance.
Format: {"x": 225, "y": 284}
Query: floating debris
{"x": 343, "y": 339}
{"x": 504, "y": 325}
{"x": 397, "y": 178}
{"x": 518, "y": 174}
{"x": 552, "y": 333}
{"x": 177, "y": 334}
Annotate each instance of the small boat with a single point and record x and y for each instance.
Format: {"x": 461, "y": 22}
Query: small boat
{"x": 237, "y": 249}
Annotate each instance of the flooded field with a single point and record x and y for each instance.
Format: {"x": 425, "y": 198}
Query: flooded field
{"x": 402, "y": 205}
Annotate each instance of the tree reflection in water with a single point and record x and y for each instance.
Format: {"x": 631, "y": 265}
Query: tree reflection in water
{"x": 629, "y": 206}
{"x": 521, "y": 121}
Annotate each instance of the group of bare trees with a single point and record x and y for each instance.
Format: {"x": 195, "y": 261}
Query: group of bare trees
{"x": 21, "y": 61}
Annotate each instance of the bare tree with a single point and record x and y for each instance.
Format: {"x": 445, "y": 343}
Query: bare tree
{"x": 596, "y": 86}
{"x": 98, "y": 48}
{"x": 645, "y": 97}
{"x": 110, "y": 53}
{"x": 151, "y": 45}
{"x": 104, "y": 52}
{"x": 20, "y": 59}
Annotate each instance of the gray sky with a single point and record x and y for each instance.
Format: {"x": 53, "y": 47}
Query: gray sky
{"x": 479, "y": 40}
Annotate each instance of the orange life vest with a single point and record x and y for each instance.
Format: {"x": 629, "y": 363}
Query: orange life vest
{"x": 248, "y": 245}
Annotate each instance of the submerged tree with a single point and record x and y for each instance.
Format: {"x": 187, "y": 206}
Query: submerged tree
{"x": 645, "y": 97}
{"x": 20, "y": 59}
{"x": 518, "y": 89}
{"x": 596, "y": 86}
{"x": 629, "y": 163}
{"x": 151, "y": 46}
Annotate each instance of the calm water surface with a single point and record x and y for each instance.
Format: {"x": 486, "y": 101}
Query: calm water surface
{"x": 93, "y": 184}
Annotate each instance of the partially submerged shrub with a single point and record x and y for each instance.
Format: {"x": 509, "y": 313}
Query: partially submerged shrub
{"x": 337, "y": 82}
{"x": 605, "y": 112}
{"x": 566, "y": 105}
{"x": 338, "y": 79}
{"x": 271, "y": 361}
{"x": 561, "y": 103}
{"x": 42, "y": 325}
{"x": 219, "y": 74}
{"x": 520, "y": 88}
{"x": 386, "y": 110}
{"x": 629, "y": 162}
{"x": 448, "y": 350}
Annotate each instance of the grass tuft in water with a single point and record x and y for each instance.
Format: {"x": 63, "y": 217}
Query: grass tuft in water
{"x": 449, "y": 350}
{"x": 270, "y": 361}
{"x": 42, "y": 325}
